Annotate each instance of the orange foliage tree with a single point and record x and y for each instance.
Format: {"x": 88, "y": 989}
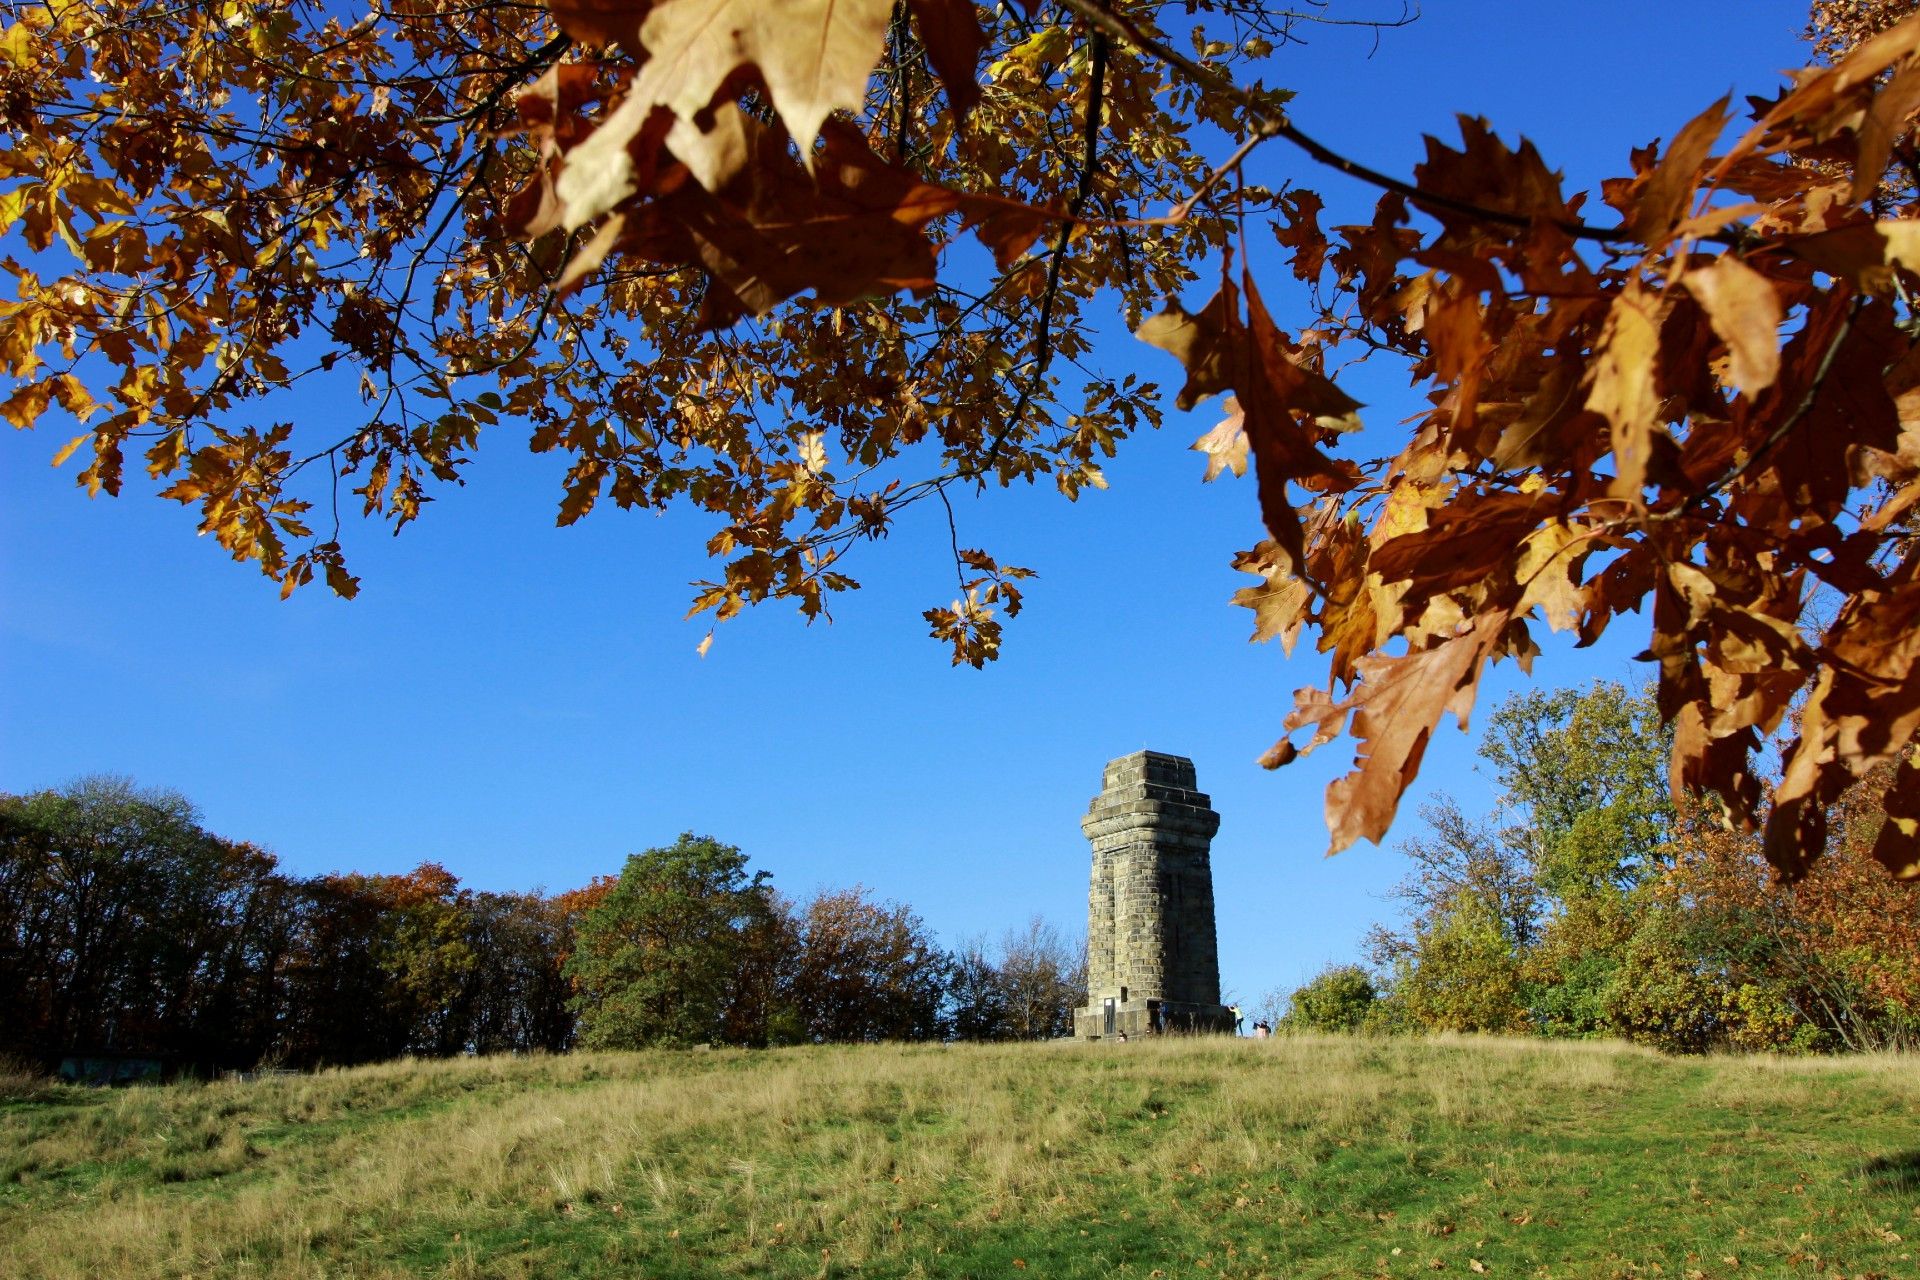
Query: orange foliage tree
{"x": 865, "y": 970}
{"x": 1833, "y": 959}
{"x": 734, "y": 254}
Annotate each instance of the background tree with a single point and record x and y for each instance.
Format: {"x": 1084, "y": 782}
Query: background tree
{"x": 1459, "y": 972}
{"x": 1583, "y": 823}
{"x": 1568, "y": 976}
{"x": 865, "y": 970}
{"x": 127, "y": 928}
{"x": 376, "y": 968}
{"x": 1025, "y": 987}
{"x": 1471, "y": 859}
{"x": 659, "y": 959}
{"x": 1582, "y": 775}
{"x": 1044, "y": 979}
{"x": 513, "y": 995}
{"x": 1830, "y": 962}
{"x": 976, "y": 999}
{"x": 1587, "y": 906}
{"x": 761, "y": 1008}
{"x": 729, "y": 272}
{"x": 1339, "y": 998}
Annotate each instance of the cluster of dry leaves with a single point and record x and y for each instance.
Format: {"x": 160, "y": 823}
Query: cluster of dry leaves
{"x": 705, "y": 238}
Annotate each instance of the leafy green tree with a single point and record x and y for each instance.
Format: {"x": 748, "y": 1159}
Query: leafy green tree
{"x": 1662, "y": 995}
{"x": 1583, "y": 772}
{"x": 1568, "y": 974}
{"x": 126, "y": 927}
{"x": 1476, "y": 910}
{"x": 1461, "y": 973}
{"x": 1338, "y": 998}
{"x": 1583, "y": 821}
{"x": 658, "y": 960}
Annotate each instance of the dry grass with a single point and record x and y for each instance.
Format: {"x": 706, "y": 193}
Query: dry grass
{"x": 21, "y": 1081}
{"x": 1294, "y": 1156}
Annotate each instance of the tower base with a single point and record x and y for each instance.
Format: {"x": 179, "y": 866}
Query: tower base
{"x": 1135, "y": 1019}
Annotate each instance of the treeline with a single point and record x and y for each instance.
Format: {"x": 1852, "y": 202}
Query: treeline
{"x": 127, "y": 929}
{"x": 686, "y": 946}
{"x": 1586, "y": 905}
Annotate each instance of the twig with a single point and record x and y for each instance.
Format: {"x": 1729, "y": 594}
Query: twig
{"x": 1275, "y": 124}
{"x": 1181, "y": 210}
{"x": 953, "y": 538}
{"x": 1043, "y": 341}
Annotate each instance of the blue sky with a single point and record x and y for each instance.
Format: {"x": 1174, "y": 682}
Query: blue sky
{"x": 524, "y": 704}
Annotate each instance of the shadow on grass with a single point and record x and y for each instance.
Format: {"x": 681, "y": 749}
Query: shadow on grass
{"x": 1899, "y": 1172}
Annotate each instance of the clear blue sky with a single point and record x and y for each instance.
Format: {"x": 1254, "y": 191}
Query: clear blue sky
{"x": 525, "y": 705}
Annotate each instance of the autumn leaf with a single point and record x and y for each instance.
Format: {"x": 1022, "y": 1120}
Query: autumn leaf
{"x": 814, "y": 56}
{"x": 1405, "y": 510}
{"x": 1301, "y": 233}
{"x": 24, "y": 407}
{"x": 1225, "y": 445}
{"x": 1208, "y": 345}
{"x": 1396, "y": 706}
{"x": 1745, "y": 311}
{"x": 1623, "y": 386}
{"x": 1279, "y": 602}
{"x": 1897, "y": 848}
{"x": 1663, "y": 202}
{"x": 1546, "y": 570}
{"x": 1886, "y": 121}
{"x": 601, "y": 22}
{"x": 950, "y": 30}
{"x": 1458, "y": 540}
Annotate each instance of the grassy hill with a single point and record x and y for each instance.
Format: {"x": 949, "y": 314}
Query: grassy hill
{"x": 1291, "y": 1157}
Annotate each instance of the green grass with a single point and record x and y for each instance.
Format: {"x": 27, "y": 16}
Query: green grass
{"x": 1291, "y": 1157}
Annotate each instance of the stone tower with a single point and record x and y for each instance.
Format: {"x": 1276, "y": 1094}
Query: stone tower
{"x": 1152, "y": 960}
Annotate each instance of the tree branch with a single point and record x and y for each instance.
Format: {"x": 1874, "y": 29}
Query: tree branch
{"x": 1043, "y": 342}
{"x": 1268, "y": 123}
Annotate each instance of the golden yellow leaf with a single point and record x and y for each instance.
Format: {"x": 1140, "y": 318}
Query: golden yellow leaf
{"x": 814, "y": 55}
{"x": 1405, "y": 510}
{"x": 1225, "y": 445}
{"x": 1623, "y": 386}
{"x": 17, "y": 44}
{"x": 813, "y": 452}
{"x": 66, "y": 450}
{"x": 1544, "y": 572}
{"x": 12, "y": 205}
{"x": 24, "y": 407}
{"x": 1744, "y": 309}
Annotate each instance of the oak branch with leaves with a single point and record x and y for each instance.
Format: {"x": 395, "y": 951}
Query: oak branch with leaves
{"x": 706, "y": 249}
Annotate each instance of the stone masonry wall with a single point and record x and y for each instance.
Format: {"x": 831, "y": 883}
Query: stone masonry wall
{"x": 1150, "y": 931}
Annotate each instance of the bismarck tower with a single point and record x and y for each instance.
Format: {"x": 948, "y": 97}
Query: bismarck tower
{"x": 1153, "y": 964}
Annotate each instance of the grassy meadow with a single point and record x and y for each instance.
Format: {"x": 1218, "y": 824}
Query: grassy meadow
{"x": 1205, "y": 1158}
